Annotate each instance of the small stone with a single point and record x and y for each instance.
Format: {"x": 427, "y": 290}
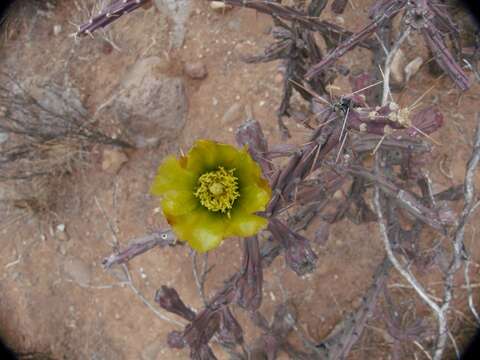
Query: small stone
{"x": 196, "y": 70}
{"x": 61, "y": 234}
{"x": 398, "y": 64}
{"x": 77, "y": 270}
{"x": 113, "y": 160}
{"x": 413, "y": 67}
{"x": 57, "y": 29}
{"x": 233, "y": 114}
{"x": 219, "y": 6}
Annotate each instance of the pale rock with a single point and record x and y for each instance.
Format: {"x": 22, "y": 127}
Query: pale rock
{"x": 413, "y": 67}
{"x": 57, "y": 29}
{"x": 397, "y": 67}
{"x": 196, "y": 70}
{"x": 219, "y": 6}
{"x": 113, "y": 160}
{"x": 178, "y": 11}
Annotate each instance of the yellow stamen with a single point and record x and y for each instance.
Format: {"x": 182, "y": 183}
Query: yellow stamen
{"x": 217, "y": 190}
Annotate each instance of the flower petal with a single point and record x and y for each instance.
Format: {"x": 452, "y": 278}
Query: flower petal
{"x": 247, "y": 170}
{"x": 171, "y": 175}
{"x": 178, "y": 202}
{"x": 202, "y": 230}
{"x": 243, "y": 224}
{"x": 254, "y": 198}
{"x": 207, "y": 155}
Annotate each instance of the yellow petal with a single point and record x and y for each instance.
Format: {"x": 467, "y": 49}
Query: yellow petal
{"x": 207, "y": 155}
{"x": 253, "y": 198}
{"x": 178, "y": 202}
{"x": 172, "y": 176}
{"x": 244, "y": 224}
{"x": 202, "y": 230}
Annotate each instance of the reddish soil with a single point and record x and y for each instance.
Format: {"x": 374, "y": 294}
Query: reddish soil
{"x": 42, "y": 308}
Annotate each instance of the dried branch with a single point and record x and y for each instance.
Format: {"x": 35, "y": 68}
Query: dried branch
{"x": 459, "y": 251}
{"x": 108, "y": 15}
{"x": 388, "y": 64}
{"x": 141, "y": 245}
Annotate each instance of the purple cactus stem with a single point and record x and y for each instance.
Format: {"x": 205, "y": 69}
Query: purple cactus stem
{"x": 299, "y": 255}
{"x": 230, "y": 332}
{"x": 427, "y": 120}
{"x": 175, "y": 340}
{"x": 248, "y": 286}
{"x": 169, "y": 300}
{"x": 109, "y": 14}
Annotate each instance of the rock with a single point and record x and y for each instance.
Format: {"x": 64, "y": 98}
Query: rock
{"x": 233, "y": 114}
{"x": 77, "y": 270}
{"x": 113, "y": 160}
{"x": 61, "y": 234}
{"x": 178, "y": 11}
{"x": 412, "y": 68}
{"x": 196, "y": 70}
{"x": 151, "y": 106}
{"x": 219, "y": 6}
{"x": 398, "y": 64}
{"x": 57, "y": 29}
{"x": 151, "y": 351}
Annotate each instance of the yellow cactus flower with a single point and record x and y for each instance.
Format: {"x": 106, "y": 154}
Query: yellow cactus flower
{"x": 212, "y": 193}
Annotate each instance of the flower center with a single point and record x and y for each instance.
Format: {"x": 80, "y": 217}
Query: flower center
{"x": 217, "y": 190}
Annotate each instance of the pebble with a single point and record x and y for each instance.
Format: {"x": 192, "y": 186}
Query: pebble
{"x": 61, "y": 234}
{"x": 413, "y": 67}
{"x": 398, "y": 65}
{"x": 196, "y": 70}
{"x": 233, "y": 114}
{"x": 219, "y": 6}
{"x": 113, "y": 160}
{"x": 57, "y": 29}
